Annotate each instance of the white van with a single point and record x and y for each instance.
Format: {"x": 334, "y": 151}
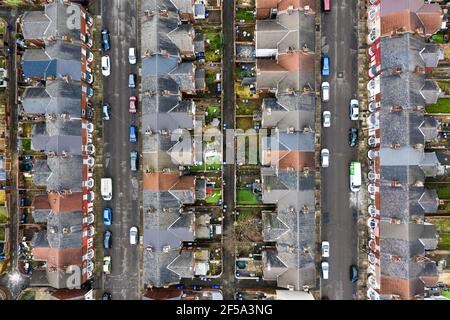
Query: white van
{"x": 132, "y": 55}
{"x": 106, "y": 187}
{"x": 325, "y": 91}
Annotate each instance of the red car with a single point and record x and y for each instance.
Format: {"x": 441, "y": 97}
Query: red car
{"x": 132, "y": 108}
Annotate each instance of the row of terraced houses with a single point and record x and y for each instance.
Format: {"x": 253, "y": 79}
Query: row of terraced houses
{"x": 56, "y": 148}
{"x": 400, "y": 60}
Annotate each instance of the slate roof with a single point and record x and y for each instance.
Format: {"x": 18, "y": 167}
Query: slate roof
{"x": 404, "y": 163}
{"x": 59, "y": 19}
{"x": 57, "y": 136}
{"x": 289, "y": 110}
{"x": 58, "y": 59}
{"x": 289, "y": 31}
{"x": 59, "y": 173}
{"x": 58, "y": 97}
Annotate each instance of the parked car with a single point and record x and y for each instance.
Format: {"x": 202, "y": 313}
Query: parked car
{"x": 325, "y": 249}
{"x": 325, "y": 91}
{"x": 107, "y": 264}
{"x": 133, "y": 133}
{"x": 353, "y": 137}
{"x": 105, "y": 40}
{"x": 107, "y": 239}
{"x": 106, "y": 296}
{"x": 326, "y": 6}
{"x": 89, "y": 91}
{"x": 131, "y": 80}
{"x": 134, "y": 235}
{"x": 325, "y": 269}
{"x": 87, "y": 77}
{"x": 107, "y": 216}
{"x": 325, "y": 66}
{"x": 326, "y": 115}
{"x": 132, "y": 55}
{"x": 132, "y": 105}
{"x": 106, "y": 111}
{"x": 353, "y": 273}
{"x": 106, "y": 68}
{"x": 325, "y": 158}
{"x": 354, "y": 109}
{"x": 23, "y": 216}
{"x": 133, "y": 160}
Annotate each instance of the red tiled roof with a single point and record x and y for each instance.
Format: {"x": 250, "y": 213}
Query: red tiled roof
{"x": 59, "y": 202}
{"x": 69, "y": 294}
{"x": 160, "y": 181}
{"x": 162, "y": 293}
{"x": 297, "y": 61}
{"x": 58, "y": 257}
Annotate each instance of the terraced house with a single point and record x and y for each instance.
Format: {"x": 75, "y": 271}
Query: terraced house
{"x": 399, "y": 130}
{"x": 54, "y": 105}
{"x": 169, "y": 81}
{"x": 285, "y": 54}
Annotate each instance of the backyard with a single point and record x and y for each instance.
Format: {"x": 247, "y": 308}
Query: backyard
{"x": 246, "y": 197}
{"x": 2, "y": 234}
{"x": 214, "y": 196}
{"x": 443, "y": 228}
{"x": 3, "y": 215}
{"x": 248, "y": 107}
{"x": 442, "y": 106}
{"x": 243, "y": 15}
{"x": 214, "y": 45}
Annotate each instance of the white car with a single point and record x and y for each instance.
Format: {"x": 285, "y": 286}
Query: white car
{"x": 107, "y": 264}
{"x": 325, "y": 249}
{"x": 106, "y": 68}
{"x": 132, "y": 55}
{"x": 326, "y": 115}
{"x": 325, "y": 158}
{"x": 354, "y": 109}
{"x": 325, "y": 269}
{"x": 133, "y": 235}
{"x": 325, "y": 91}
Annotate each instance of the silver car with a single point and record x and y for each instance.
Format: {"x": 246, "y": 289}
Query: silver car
{"x": 133, "y": 160}
{"x": 133, "y": 235}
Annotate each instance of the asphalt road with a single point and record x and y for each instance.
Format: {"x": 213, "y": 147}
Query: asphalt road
{"x": 123, "y": 282}
{"x": 229, "y": 169}
{"x": 339, "y": 218}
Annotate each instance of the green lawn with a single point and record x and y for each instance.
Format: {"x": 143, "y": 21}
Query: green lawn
{"x": 246, "y": 15}
{"x": 204, "y": 167}
{"x": 214, "y": 41}
{"x": 443, "y": 192}
{"x": 214, "y": 196}
{"x": 445, "y": 86}
{"x": 438, "y": 38}
{"x": 26, "y": 144}
{"x": 446, "y": 294}
{"x": 2, "y": 234}
{"x": 244, "y": 123}
{"x": 3, "y": 216}
{"x": 246, "y": 196}
{"x": 444, "y": 241}
{"x": 442, "y": 106}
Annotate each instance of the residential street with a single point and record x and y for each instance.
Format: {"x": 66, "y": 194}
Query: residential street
{"x": 123, "y": 283}
{"x": 339, "y": 211}
{"x": 229, "y": 169}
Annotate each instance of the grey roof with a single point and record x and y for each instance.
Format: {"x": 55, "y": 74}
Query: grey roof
{"x": 57, "y": 136}
{"x": 296, "y": 141}
{"x": 183, "y": 37}
{"x": 289, "y": 31}
{"x": 58, "y": 59}
{"x": 58, "y": 97}
{"x": 289, "y": 110}
{"x": 59, "y": 173}
{"x": 155, "y": 29}
{"x": 64, "y": 230}
{"x": 430, "y": 128}
{"x": 59, "y": 19}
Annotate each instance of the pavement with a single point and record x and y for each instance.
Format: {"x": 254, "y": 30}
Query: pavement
{"x": 120, "y": 17}
{"x": 339, "y": 205}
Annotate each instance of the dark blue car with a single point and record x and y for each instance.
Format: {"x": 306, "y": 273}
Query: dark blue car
{"x": 105, "y": 40}
{"x": 107, "y": 216}
{"x": 132, "y": 133}
{"x": 23, "y": 217}
{"x": 325, "y": 66}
